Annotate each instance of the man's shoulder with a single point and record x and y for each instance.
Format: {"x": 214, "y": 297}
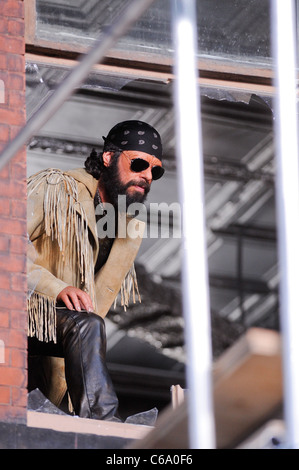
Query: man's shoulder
{"x": 48, "y": 175}
{"x": 55, "y": 175}
{"x": 79, "y": 174}
{"x": 76, "y": 173}
{"x": 84, "y": 178}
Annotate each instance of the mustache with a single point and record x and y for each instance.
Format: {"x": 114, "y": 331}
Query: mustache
{"x": 143, "y": 184}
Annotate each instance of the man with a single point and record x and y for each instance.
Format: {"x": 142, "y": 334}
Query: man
{"x": 73, "y": 276}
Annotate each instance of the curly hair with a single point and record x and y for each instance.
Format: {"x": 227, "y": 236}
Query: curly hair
{"x": 94, "y": 163}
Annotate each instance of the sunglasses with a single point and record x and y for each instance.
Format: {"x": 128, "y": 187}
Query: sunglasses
{"x": 137, "y": 165}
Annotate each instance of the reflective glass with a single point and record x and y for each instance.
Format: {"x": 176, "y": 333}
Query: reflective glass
{"x": 226, "y": 29}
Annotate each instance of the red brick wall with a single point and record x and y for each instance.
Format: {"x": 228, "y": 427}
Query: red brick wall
{"x": 13, "y": 318}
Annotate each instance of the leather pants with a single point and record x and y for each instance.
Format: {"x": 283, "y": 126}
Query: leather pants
{"x": 81, "y": 340}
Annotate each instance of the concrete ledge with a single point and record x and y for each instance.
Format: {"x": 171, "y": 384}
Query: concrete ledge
{"x": 52, "y": 431}
{"x": 85, "y": 426}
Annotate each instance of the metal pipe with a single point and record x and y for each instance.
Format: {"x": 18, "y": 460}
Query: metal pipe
{"x": 119, "y": 27}
{"x": 287, "y": 197}
{"x": 194, "y": 269}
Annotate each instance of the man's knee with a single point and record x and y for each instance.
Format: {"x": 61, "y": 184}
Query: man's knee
{"x": 90, "y": 322}
{"x": 95, "y": 321}
{"x": 73, "y": 324}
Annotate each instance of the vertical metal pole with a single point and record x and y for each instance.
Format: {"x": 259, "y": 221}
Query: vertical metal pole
{"x": 194, "y": 269}
{"x": 287, "y": 195}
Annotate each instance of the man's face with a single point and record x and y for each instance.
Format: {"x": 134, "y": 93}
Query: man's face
{"x": 121, "y": 180}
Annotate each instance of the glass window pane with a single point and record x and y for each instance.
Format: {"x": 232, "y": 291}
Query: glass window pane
{"x": 231, "y": 29}
{"x": 81, "y": 22}
{"x": 234, "y": 28}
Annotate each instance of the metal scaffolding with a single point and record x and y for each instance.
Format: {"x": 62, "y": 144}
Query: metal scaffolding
{"x": 194, "y": 270}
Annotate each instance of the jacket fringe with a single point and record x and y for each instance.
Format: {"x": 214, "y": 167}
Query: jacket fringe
{"x": 41, "y": 317}
{"x": 129, "y": 289}
{"x": 66, "y": 222}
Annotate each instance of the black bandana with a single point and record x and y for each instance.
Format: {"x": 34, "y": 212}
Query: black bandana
{"x": 135, "y": 135}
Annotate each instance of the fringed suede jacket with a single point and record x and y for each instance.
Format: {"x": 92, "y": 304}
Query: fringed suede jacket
{"x": 63, "y": 248}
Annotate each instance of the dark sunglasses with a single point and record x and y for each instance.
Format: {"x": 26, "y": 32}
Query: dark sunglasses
{"x": 138, "y": 165}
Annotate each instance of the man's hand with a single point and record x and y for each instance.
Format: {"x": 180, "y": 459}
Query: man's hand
{"x": 74, "y": 298}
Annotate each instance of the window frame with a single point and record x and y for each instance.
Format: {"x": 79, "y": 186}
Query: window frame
{"x": 218, "y": 72}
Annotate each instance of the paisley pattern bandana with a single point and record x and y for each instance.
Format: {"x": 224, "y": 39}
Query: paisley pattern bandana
{"x": 135, "y": 135}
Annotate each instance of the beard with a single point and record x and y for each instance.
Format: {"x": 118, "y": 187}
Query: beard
{"x": 114, "y": 187}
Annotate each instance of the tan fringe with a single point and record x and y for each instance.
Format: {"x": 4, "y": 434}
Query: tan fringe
{"x": 42, "y": 317}
{"x": 70, "y": 404}
{"x": 66, "y": 222}
{"x": 129, "y": 289}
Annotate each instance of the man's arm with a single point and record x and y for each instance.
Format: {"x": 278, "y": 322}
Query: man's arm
{"x": 40, "y": 280}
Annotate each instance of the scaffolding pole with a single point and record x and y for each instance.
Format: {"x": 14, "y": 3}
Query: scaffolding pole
{"x": 287, "y": 200}
{"x": 126, "y": 17}
{"x": 194, "y": 269}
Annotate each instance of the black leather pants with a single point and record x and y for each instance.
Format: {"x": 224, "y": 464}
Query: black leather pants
{"x": 81, "y": 340}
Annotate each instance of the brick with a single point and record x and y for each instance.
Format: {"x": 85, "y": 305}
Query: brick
{"x": 11, "y": 45}
{"x": 4, "y": 395}
{"x": 19, "y": 396}
{"x": 4, "y": 243}
{"x": 12, "y": 116}
{"x": 18, "y": 171}
{"x": 13, "y": 414}
{"x": 15, "y": 226}
{"x": 13, "y": 299}
{"x": 14, "y": 130}
{"x": 18, "y": 282}
{"x": 13, "y": 9}
{"x": 13, "y": 338}
{"x": 19, "y": 209}
{"x": 4, "y": 321}
{"x": 3, "y": 25}
{"x": 4, "y": 173}
{"x": 19, "y": 320}
{"x": 3, "y": 62}
{"x": 13, "y": 189}
{"x": 12, "y": 263}
{"x": 4, "y": 207}
{"x": 16, "y": 82}
{"x": 20, "y": 156}
{"x": 5, "y": 282}
{"x": 16, "y": 99}
{"x": 12, "y": 376}
{"x": 4, "y": 75}
{"x": 14, "y": 62}
{"x": 18, "y": 244}
{"x": 16, "y": 27}
{"x": 18, "y": 358}
{"x": 4, "y": 132}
